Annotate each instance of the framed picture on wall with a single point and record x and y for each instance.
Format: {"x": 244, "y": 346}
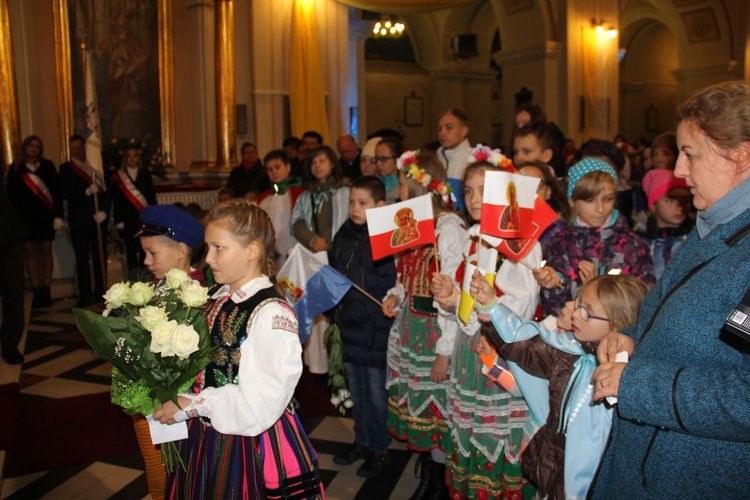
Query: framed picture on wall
{"x": 125, "y": 47}
{"x": 413, "y": 110}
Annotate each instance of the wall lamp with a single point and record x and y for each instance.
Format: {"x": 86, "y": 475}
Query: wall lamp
{"x": 602, "y": 30}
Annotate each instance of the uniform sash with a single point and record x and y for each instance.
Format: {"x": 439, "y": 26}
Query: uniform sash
{"x": 86, "y": 176}
{"x": 39, "y": 188}
{"x": 131, "y": 192}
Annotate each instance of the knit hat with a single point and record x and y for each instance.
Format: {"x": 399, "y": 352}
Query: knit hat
{"x": 657, "y": 183}
{"x": 369, "y": 149}
{"x": 172, "y": 222}
{"x": 585, "y": 166}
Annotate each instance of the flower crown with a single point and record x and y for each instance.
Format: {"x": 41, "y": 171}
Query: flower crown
{"x": 493, "y": 156}
{"x": 408, "y": 165}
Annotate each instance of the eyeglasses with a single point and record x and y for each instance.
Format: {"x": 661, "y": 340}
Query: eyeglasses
{"x": 383, "y": 159}
{"x": 585, "y": 314}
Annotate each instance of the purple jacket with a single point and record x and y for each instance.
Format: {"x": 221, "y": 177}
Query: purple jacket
{"x": 613, "y": 247}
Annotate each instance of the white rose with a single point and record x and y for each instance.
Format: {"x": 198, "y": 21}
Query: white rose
{"x": 151, "y": 317}
{"x": 175, "y": 277}
{"x": 140, "y": 294}
{"x": 161, "y": 338}
{"x": 184, "y": 341}
{"x": 348, "y": 403}
{"x": 117, "y": 295}
{"x": 335, "y": 401}
{"x": 192, "y": 294}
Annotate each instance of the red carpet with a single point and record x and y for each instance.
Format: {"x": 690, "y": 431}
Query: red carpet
{"x": 57, "y": 433}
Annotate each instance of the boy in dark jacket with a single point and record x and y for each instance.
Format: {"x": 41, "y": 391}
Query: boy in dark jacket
{"x": 364, "y": 329}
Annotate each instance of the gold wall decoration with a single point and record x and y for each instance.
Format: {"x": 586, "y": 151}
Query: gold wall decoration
{"x": 226, "y": 120}
{"x": 10, "y": 134}
{"x": 701, "y": 25}
{"x": 123, "y": 57}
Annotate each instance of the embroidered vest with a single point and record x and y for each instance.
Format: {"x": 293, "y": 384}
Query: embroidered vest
{"x": 229, "y": 330}
{"x": 417, "y": 267}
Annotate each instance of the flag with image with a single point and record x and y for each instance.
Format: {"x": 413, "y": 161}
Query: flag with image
{"x": 486, "y": 262}
{"x": 312, "y": 286}
{"x": 517, "y": 248}
{"x": 508, "y": 204}
{"x": 400, "y": 226}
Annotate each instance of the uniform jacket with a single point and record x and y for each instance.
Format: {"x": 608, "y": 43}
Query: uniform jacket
{"x": 81, "y": 207}
{"x": 124, "y": 210}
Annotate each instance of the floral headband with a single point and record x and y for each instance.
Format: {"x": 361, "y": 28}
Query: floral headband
{"x": 408, "y": 165}
{"x": 493, "y": 156}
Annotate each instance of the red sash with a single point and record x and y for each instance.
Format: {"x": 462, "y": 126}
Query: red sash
{"x": 131, "y": 192}
{"x": 39, "y": 188}
{"x": 83, "y": 174}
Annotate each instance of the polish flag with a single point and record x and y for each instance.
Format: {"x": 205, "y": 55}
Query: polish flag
{"x": 517, "y": 248}
{"x": 486, "y": 262}
{"x": 400, "y": 226}
{"x": 508, "y": 204}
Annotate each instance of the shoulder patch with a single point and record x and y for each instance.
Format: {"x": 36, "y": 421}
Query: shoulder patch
{"x": 284, "y": 323}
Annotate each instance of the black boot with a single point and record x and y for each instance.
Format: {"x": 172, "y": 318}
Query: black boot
{"x": 426, "y": 478}
{"x": 47, "y": 296}
{"x": 440, "y": 490}
{"x": 37, "y": 301}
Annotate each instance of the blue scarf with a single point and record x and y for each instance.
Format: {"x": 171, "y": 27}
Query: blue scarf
{"x": 732, "y": 204}
{"x": 390, "y": 182}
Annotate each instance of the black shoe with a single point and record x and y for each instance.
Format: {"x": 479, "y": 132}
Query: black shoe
{"x": 426, "y": 476}
{"x": 37, "y": 301}
{"x": 12, "y": 355}
{"x": 47, "y": 296}
{"x": 354, "y": 453}
{"x": 373, "y": 466}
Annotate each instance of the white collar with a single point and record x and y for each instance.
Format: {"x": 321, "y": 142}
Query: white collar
{"x": 245, "y": 291}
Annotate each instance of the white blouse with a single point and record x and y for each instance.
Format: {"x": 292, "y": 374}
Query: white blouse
{"x": 270, "y": 367}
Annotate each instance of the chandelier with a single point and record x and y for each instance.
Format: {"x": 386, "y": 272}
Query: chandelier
{"x": 386, "y": 28}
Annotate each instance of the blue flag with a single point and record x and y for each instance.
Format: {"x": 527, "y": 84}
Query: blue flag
{"x": 311, "y": 286}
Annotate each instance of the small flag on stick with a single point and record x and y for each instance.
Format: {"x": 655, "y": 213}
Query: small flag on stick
{"x": 398, "y": 227}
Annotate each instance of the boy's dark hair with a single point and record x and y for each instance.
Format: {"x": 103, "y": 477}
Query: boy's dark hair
{"x": 373, "y": 185}
{"x": 291, "y": 141}
{"x": 246, "y": 145}
{"x": 314, "y": 135}
{"x": 276, "y": 154}
{"x": 536, "y": 114}
{"x": 458, "y": 113}
{"x": 76, "y": 137}
{"x": 539, "y": 130}
{"x": 666, "y": 140}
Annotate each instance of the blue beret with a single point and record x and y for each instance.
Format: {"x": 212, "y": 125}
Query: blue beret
{"x": 586, "y": 166}
{"x": 172, "y": 222}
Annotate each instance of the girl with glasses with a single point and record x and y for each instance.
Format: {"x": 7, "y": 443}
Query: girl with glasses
{"x": 387, "y": 152}
{"x": 553, "y": 363}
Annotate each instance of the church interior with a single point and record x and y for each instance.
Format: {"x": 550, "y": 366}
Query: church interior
{"x": 193, "y": 80}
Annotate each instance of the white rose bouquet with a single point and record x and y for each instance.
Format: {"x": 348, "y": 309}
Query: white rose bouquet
{"x": 156, "y": 339}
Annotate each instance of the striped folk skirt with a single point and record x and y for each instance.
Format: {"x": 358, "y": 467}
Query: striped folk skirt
{"x": 278, "y": 464}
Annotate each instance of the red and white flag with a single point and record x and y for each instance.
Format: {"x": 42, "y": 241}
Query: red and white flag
{"x": 517, "y": 248}
{"x": 93, "y": 137}
{"x": 398, "y": 227}
{"x": 508, "y": 204}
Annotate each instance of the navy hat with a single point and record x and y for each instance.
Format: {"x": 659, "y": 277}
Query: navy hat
{"x": 172, "y": 222}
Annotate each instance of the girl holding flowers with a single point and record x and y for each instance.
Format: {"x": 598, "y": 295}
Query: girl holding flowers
{"x": 421, "y": 341}
{"x": 244, "y": 440}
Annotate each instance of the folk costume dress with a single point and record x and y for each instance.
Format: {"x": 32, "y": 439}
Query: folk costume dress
{"x": 417, "y": 407}
{"x": 248, "y": 443}
{"x": 486, "y": 421}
